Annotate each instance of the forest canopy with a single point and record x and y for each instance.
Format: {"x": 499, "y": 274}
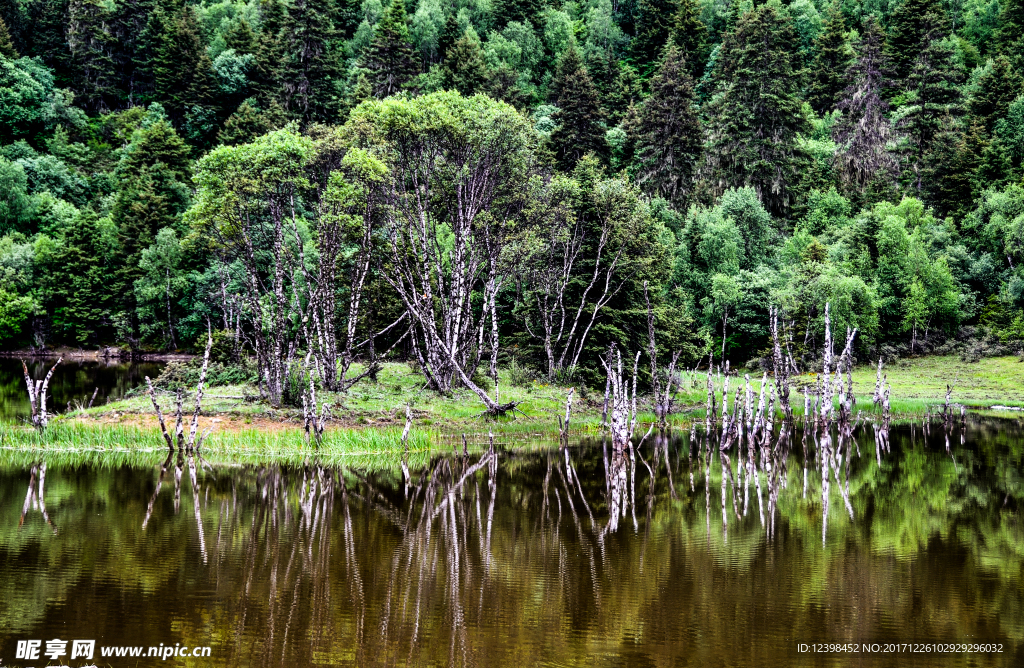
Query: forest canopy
{"x": 469, "y": 183}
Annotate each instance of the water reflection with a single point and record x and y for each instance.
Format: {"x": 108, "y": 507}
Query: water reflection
{"x": 74, "y": 382}
{"x": 581, "y": 555}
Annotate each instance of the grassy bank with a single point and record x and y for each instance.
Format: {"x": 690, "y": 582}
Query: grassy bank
{"x": 368, "y": 419}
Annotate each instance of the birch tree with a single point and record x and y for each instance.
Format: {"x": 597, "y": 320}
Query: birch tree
{"x": 457, "y": 168}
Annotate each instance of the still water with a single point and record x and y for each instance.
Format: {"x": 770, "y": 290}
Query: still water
{"x": 526, "y": 556}
{"x": 73, "y": 381}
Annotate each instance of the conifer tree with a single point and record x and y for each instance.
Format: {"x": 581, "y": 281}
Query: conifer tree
{"x": 936, "y": 86}
{"x": 654, "y": 24}
{"x": 310, "y": 64}
{"x": 451, "y": 33}
{"x": 754, "y": 120}
{"x": 863, "y": 132}
{"x": 505, "y": 11}
{"x": 78, "y": 292}
{"x": 668, "y": 140}
{"x": 152, "y": 193}
{"x": 390, "y": 56}
{"x": 464, "y": 67}
{"x": 129, "y": 24}
{"x": 579, "y": 114}
{"x": 689, "y": 34}
{"x": 181, "y": 68}
{"x": 91, "y": 45}
{"x": 998, "y": 86}
{"x": 249, "y": 122}
{"x": 831, "y": 60}
{"x": 909, "y": 26}
{"x": 48, "y": 39}
{"x": 241, "y": 37}
{"x": 265, "y": 72}
{"x": 950, "y": 172}
{"x": 1009, "y": 38}
{"x": 7, "y": 49}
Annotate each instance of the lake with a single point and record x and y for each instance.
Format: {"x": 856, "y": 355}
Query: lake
{"x": 73, "y": 381}
{"x": 530, "y": 554}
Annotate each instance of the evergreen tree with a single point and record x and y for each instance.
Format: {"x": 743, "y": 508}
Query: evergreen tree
{"x": 451, "y": 33}
{"x": 909, "y": 26}
{"x": 464, "y": 68}
{"x": 579, "y": 115}
{"x": 310, "y": 64}
{"x": 831, "y": 60}
{"x": 129, "y": 24}
{"x": 152, "y": 194}
{"x": 654, "y": 24}
{"x": 249, "y": 122}
{"x": 998, "y": 86}
{"x": 863, "y": 132}
{"x": 754, "y": 120}
{"x": 241, "y": 37}
{"x": 7, "y": 49}
{"x": 390, "y": 56}
{"x": 505, "y": 11}
{"x": 48, "y": 39}
{"x": 952, "y": 167}
{"x": 1009, "y": 38}
{"x": 181, "y": 68}
{"x": 668, "y": 140}
{"x": 689, "y": 34}
{"x": 78, "y": 292}
{"x": 265, "y": 71}
{"x": 935, "y": 84}
{"x": 91, "y": 46}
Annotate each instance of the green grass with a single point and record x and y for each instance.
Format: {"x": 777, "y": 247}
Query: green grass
{"x": 371, "y": 415}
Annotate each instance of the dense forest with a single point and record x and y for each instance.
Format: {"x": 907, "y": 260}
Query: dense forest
{"x": 497, "y": 182}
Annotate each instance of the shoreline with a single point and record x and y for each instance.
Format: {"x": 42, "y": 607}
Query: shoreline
{"x": 116, "y": 355}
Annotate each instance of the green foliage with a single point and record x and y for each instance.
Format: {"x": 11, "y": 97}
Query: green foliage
{"x": 668, "y": 132}
{"x": 827, "y": 77}
{"x": 755, "y": 115}
{"x": 579, "y": 130}
{"x": 389, "y": 56}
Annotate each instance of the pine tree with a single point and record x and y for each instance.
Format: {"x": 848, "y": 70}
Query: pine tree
{"x": 505, "y": 11}
{"x": 13, "y": 21}
{"x": 909, "y": 26}
{"x": 998, "y": 86}
{"x": 152, "y": 193}
{"x": 91, "y": 45}
{"x": 390, "y": 56}
{"x": 832, "y": 59}
{"x": 310, "y": 64}
{"x": 754, "y": 121}
{"x": 935, "y": 84}
{"x": 863, "y": 132}
{"x": 451, "y": 33}
{"x": 265, "y": 71}
{"x": 7, "y": 49}
{"x": 129, "y": 24}
{"x": 241, "y": 37}
{"x": 249, "y": 122}
{"x": 47, "y": 39}
{"x": 668, "y": 140}
{"x": 182, "y": 71}
{"x": 949, "y": 174}
{"x": 79, "y": 290}
{"x": 1009, "y": 38}
{"x": 464, "y": 68}
{"x": 654, "y": 24}
{"x": 579, "y": 115}
{"x": 689, "y": 34}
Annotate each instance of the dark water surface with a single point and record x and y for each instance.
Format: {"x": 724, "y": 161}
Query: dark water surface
{"x": 540, "y": 556}
{"x": 73, "y": 381}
